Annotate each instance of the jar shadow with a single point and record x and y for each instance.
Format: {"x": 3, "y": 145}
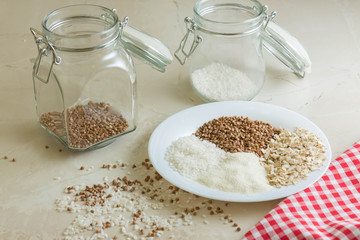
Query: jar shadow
{"x": 28, "y": 138}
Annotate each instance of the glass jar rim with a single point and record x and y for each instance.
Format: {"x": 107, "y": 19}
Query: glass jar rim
{"x": 49, "y": 29}
{"x": 88, "y": 27}
{"x": 243, "y": 26}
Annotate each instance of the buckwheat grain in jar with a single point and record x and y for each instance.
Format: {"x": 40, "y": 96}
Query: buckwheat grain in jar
{"x": 223, "y": 44}
{"x": 84, "y": 77}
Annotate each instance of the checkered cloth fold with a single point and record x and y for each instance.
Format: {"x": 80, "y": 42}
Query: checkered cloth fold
{"x": 329, "y": 209}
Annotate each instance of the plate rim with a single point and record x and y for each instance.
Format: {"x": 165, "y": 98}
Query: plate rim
{"x": 235, "y": 196}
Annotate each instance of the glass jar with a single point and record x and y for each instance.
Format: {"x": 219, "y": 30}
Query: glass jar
{"x": 225, "y": 39}
{"x": 84, "y": 77}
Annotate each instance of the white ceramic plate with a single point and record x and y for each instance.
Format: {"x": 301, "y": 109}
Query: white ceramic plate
{"x": 186, "y": 122}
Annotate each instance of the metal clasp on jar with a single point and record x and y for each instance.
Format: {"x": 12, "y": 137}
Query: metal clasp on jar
{"x": 191, "y": 29}
{"x": 44, "y": 46}
{"x": 268, "y": 17}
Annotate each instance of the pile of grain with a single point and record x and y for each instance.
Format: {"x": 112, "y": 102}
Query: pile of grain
{"x": 237, "y": 134}
{"x": 291, "y": 156}
{"x": 219, "y": 82}
{"x": 207, "y": 164}
{"x": 87, "y": 124}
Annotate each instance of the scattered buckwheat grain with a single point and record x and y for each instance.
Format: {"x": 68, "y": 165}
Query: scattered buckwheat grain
{"x": 135, "y": 206}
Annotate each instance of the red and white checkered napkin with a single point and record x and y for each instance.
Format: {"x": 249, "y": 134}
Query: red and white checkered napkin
{"x": 329, "y": 209}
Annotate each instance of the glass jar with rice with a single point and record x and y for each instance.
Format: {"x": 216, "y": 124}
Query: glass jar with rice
{"x": 224, "y": 43}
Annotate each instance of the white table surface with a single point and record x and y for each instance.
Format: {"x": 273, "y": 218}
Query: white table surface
{"x": 329, "y": 96}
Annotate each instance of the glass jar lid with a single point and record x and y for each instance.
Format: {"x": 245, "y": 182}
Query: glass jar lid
{"x": 146, "y": 48}
{"x": 286, "y": 48}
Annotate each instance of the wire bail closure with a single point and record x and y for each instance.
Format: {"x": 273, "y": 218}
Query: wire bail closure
{"x": 269, "y": 17}
{"x": 191, "y": 29}
{"x": 44, "y": 46}
{"x": 123, "y": 24}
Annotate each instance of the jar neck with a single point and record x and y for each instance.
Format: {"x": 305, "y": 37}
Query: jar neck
{"x": 81, "y": 27}
{"x": 231, "y": 17}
